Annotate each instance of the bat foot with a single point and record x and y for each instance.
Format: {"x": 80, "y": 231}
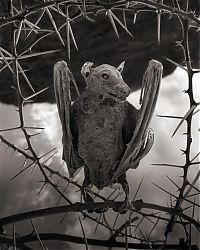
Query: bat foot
{"x": 126, "y": 203}
{"x": 86, "y": 196}
{"x": 101, "y": 210}
{"x": 123, "y": 208}
{"x": 88, "y": 199}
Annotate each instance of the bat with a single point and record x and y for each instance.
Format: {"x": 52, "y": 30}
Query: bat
{"x": 102, "y": 131}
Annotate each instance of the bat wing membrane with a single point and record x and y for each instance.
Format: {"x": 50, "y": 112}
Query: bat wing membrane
{"x": 142, "y": 137}
{"x": 62, "y": 81}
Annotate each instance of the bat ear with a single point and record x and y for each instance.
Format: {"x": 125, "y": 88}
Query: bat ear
{"x": 86, "y": 69}
{"x": 121, "y": 67}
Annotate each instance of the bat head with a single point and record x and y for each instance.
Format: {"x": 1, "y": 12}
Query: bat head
{"x": 106, "y": 80}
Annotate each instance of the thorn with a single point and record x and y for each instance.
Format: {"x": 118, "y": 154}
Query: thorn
{"x": 35, "y": 94}
{"x": 61, "y": 167}
{"x": 195, "y": 156}
{"x": 67, "y": 32}
{"x": 172, "y": 182}
{"x": 54, "y": 26}
{"x": 35, "y": 134}
{"x": 72, "y": 36}
{"x": 50, "y": 157}
{"x": 121, "y": 24}
{"x": 39, "y": 192}
{"x": 22, "y": 171}
{"x": 7, "y": 148}
{"x": 135, "y": 17}
{"x": 38, "y": 236}
{"x": 29, "y": 127}
{"x": 177, "y": 64}
{"x": 158, "y": 25}
{"x": 189, "y": 112}
{"x": 179, "y": 43}
{"x": 170, "y": 116}
{"x": 183, "y": 151}
{"x": 84, "y": 235}
{"x": 196, "y": 71}
{"x": 124, "y": 17}
{"x": 138, "y": 189}
{"x": 84, "y": 7}
{"x": 14, "y": 237}
{"x": 47, "y": 153}
{"x": 28, "y": 101}
{"x": 112, "y": 22}
{"x": 33, "y": 168}
{"x": 98, "y": 221}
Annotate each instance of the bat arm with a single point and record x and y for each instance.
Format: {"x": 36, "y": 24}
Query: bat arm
{"x": 143, "y": 150}
{"x": 62, "y": 79}
{"x": 142, "y": 139}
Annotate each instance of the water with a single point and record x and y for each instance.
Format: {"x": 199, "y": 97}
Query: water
{"x": 21, "y": 194}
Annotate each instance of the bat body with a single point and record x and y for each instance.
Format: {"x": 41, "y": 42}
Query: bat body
{"x": 101, "y": 130}
{"x": 104, "y": 128}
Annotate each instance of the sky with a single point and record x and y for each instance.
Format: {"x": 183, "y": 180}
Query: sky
{"x": 21, "y": 194}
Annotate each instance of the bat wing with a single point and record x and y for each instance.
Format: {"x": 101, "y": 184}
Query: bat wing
{"x": 63, "y": 78}
{"x": 142, "y": 137}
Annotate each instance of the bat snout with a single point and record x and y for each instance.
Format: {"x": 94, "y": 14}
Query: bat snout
{"x": 126, "y": 91}
{"x": 123, "y": 92}
{"x": 120, "y": 92}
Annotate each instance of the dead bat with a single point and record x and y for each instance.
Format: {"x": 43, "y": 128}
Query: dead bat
{"x": 101, "y": 130}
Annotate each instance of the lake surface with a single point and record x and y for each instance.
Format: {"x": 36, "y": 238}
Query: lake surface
{"x": 21, "y": 194}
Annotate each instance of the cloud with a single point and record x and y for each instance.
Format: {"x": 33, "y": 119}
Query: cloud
{"x": 22, "y": 193}
{"x": 166, "y": 149}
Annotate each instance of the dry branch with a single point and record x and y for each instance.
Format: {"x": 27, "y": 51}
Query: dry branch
{"x": 18, "y": 20}
{"x": 78, "y": 207}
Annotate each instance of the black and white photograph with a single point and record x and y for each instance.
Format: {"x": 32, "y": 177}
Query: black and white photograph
{"x": 99, "y": 124}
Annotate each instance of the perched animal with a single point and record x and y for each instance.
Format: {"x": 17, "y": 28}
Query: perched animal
{"x": 101, "y": 130}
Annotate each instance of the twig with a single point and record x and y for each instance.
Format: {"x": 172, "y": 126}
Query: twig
{"x": 78, "y": 206}
{"x": 120, "y": 4}
{"x": 80, "y": 240}
{"x": 188, "y": 118}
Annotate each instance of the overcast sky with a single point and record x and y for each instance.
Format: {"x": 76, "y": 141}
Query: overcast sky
{"x": 21, "y": 193}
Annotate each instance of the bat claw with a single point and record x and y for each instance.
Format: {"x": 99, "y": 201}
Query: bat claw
{"x": 123, "y": 208}
{"x": 88, "y": 199}
{"x": 101, "y": 210}
{"x": 86, "y": 196}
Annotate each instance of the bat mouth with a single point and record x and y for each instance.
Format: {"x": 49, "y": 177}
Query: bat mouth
{"x": 118, "y": 97}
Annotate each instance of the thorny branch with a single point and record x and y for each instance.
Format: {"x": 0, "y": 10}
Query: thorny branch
{"x": 17, "y": 17}
{"x": 80, "y": 240}
{"x": 187, "y": 151}
{"x": 78, "y": 206}
{"x": 106, "y": 5}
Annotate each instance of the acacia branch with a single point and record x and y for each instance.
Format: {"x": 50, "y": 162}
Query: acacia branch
{"x": 81, "y": 240}
{"x": 187, "y": 151}
{"x": 117, "y": 4}
{"x": 20, "y": 100}
{"x": 137, "y": 206}
{"x": 79, "y": 207}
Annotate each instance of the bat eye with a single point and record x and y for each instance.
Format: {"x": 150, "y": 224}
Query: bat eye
{"x": 105, "y": 76}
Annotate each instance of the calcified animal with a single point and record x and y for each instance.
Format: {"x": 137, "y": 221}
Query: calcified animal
{"x": 101, "y": 130}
